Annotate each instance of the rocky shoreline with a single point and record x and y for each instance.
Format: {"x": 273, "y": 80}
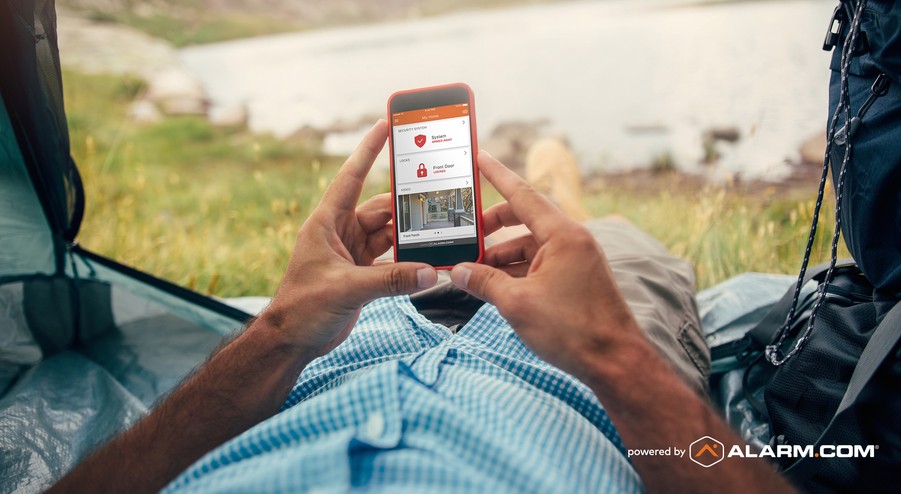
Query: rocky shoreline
{"x": 96, "y": 47}
{"x": 171, "y": 90}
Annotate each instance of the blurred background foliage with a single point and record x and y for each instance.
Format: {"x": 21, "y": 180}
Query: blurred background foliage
{"x": 217, "y": 209}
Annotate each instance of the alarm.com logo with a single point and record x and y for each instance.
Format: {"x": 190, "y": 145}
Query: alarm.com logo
{"x": 706, "y": 451}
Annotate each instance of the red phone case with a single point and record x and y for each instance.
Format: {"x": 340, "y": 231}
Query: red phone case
{"x": 475, "y": 166}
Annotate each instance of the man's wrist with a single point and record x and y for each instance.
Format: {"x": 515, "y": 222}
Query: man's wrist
{"x": 269, "y": 328}
{"x": 618, "y": 364}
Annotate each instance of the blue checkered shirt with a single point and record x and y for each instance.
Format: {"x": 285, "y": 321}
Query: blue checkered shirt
{"x": 404, "y": 405}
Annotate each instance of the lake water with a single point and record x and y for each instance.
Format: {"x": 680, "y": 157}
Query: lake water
{"x": 623, "y": 80}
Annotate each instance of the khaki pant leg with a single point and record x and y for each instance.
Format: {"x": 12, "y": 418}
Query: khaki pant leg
{"x": 659, "y": 289}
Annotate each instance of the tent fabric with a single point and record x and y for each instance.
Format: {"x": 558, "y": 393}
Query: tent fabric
{"x": 49, "y": 420}
{"x": 43, "y": 201}
{"x": 56, "y": 408}
{"x": 31, "y": 84}
{"x": 86, "y": 344}
{"x": 206, "y": 312}
{"x": 26, "y": 245}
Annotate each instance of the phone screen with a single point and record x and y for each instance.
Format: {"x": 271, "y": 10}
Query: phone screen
{"x": 433, "y": 177}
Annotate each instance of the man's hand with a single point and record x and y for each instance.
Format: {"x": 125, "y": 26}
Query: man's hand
{"x": 330, "y": 275}
{"x": 553, "y": 286}
{"x": 557, "y": 291}
{"x": 329, "y": 278}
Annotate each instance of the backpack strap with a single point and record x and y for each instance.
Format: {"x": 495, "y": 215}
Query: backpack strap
{"x": 764, "y": 331}
{"x": 880, "y": 346}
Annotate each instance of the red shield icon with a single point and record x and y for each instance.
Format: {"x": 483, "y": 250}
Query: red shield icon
{"x": 419, "y": 140}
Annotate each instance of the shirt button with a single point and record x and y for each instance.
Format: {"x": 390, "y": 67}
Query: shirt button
{"x": 375, "y": 425}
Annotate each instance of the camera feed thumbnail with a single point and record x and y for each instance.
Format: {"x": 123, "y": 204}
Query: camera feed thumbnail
{"x": 445, "y": 210}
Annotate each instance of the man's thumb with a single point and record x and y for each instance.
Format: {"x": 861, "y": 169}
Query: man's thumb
{"x": 388, "y": 280}
{"x": 480, "y": 280}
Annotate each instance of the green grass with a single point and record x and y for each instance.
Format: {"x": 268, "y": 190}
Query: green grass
{"x": 196, "y": 26}
{"x": 217, "y": 210}
{"x": 209, "y": 208}
{"x": 724, "y": 231}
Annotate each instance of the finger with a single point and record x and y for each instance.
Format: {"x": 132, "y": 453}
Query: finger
{"x": 518, "y": 270}
{"x": 497, "y": 217}
{"x": 485, "y": 282}
{"x": 375, "y": 213}
{"x": 512, "y": 251}
{"x": 378, "y": 242}
{"x": 530, "y": 207}
{"x": 378, "y": 202}
{"x": 367, "y": 283}
{"x": 344, "y": 191}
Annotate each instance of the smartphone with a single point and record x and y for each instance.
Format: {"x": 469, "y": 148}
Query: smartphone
{"x": 434, "y": 176}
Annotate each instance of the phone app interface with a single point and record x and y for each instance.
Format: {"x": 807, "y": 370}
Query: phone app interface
{"x": 433, "y": 177}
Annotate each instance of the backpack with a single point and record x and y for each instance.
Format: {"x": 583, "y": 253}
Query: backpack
{"x": 823, "y": 369}
{"x": 843, "y": 390}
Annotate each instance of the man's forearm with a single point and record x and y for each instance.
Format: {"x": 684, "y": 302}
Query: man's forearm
{"x": 241, "y": 385}
{"x": 654, "y": 409}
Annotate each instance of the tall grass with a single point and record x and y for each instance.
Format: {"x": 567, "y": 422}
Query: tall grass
{"x": 212, "y": 209}
{"x": 725, "y": 231}
{"x": 217, "y": 210}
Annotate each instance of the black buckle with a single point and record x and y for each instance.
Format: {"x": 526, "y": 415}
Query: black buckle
{"x": 880, "y": 85}
{"x": 834, "y": 31}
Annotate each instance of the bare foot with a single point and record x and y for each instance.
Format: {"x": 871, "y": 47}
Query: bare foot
{"x": 552, "y": 169}
{"x": 618, "y": 218}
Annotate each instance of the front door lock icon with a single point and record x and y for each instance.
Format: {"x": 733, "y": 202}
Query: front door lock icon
{"x": 421, "y": 172}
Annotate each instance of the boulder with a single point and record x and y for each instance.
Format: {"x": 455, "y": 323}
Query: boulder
{"x": 145, "y": 112}
{"x": 235, "y": 117}
{"x": 106, "y": 48}
{"x": 510, "y": 141}
{"x": 712, "y": 137}
{"x": 728, "y": 134}
{"x": 307, "y": 137}
{"x": 176, "y": 92}
{"x": 813, "y": 150}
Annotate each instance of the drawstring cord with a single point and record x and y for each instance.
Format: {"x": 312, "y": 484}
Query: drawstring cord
{"x": 774, "y": 352}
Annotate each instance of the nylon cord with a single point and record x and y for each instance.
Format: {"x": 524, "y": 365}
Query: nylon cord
{"x": 774, "y": 351}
